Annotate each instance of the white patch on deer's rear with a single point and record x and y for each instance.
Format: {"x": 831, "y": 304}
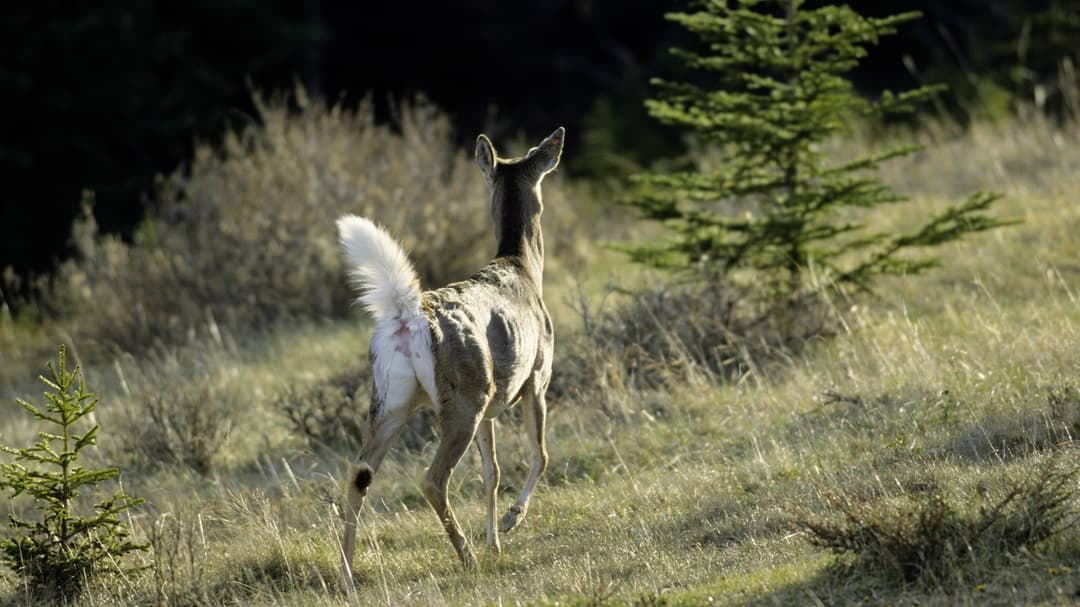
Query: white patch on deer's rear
{"x": 403, "y": 358}
{"x": 395, "y": 380}
{"x": 423, "y": 360}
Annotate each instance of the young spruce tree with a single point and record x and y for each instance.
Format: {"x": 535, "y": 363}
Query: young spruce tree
{"x": 57, "y": 552}
{"x": 775, "y": 205}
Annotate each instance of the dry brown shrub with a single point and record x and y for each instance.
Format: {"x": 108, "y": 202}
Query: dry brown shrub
{"x": 927, "y": 536}
{"x": 245, "y": 235}
{"x": 331, "y": 414}
{"x": 674, "y": 333}
{"x": 180, "y": 408}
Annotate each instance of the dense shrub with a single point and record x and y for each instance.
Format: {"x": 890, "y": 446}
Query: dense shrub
{"x": 671, "y": 333}
{"x": 331, "y": 414}
{"x": 185, "y": 426}
{"x": 925, "y": 535}
{"x": 180, "y": 407}
{"x": 245, "y": 235}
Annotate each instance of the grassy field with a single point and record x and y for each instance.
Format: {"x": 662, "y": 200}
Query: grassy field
{"x": 928, "y": 441}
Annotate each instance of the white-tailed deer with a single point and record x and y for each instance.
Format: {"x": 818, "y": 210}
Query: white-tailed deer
{"x": 472, "y": 348}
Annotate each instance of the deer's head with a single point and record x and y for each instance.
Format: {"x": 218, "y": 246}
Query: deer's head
{"x": 515, "y": 184}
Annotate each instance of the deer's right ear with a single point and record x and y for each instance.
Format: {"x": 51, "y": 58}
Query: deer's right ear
{"x": 545, "y": 157}
{"x": 485, "y": 157}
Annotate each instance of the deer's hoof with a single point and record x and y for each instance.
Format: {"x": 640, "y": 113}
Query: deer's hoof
{"x": 345, "y": 581}
{"x": 512, "y": 518}
{"x": 468, "y": 560}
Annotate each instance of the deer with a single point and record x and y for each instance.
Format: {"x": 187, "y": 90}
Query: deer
{"x": 471, "y": 349}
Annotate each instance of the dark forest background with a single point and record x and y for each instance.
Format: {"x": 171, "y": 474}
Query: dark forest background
{"x": 103, "y": 97}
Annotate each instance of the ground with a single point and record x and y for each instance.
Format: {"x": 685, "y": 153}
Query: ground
{"x": 958, "y": 384}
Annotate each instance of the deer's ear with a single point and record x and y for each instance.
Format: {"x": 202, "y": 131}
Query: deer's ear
{"x": 485, "y": 157}
{"x": 546, "y": 155}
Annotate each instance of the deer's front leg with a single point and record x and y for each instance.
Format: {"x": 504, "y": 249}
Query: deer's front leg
{"x": 534, "y": 412}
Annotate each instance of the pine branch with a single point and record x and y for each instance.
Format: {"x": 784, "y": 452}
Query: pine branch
{"x": 946, "y": 226}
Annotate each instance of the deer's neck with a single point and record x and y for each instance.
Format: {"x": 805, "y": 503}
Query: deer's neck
{"x": 527, "y": 243}
{"x": 518, "y": 232}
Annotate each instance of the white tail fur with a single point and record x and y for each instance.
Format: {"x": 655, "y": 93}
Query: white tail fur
{"x": 387, "y": 281}
{"x": 390, "y": 292}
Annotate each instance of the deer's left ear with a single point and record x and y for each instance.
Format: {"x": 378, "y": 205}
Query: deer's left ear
{"x": 546, "y": 155}
{"x": 485, "y": 157}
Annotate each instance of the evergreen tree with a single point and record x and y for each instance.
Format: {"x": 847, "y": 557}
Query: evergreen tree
{"x": 60, "y": 550}
{"x": 774, "y": 205}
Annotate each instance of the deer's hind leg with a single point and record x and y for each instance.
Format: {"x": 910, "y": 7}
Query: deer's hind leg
{"x": 534, "y": 414}
{"x": 458, "y": 421}
{"x": 386, "y": 418}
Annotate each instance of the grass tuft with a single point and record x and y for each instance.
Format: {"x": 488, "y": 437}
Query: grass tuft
{"x": 672, "y": 334}
{"x": 922, "y": 534}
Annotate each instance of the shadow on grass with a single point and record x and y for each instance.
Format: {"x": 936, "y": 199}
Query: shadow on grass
{"x": 253, "y": 579}
{"x": 1027, "y": 579}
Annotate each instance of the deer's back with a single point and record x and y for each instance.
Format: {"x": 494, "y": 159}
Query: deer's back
{"x": 490, "y": 333}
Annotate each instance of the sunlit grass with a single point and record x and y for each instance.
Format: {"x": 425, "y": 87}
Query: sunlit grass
{"x": 958, "y": 380}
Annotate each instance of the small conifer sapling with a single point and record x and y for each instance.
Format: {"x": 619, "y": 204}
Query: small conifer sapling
{"x": 60, "y": 550}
